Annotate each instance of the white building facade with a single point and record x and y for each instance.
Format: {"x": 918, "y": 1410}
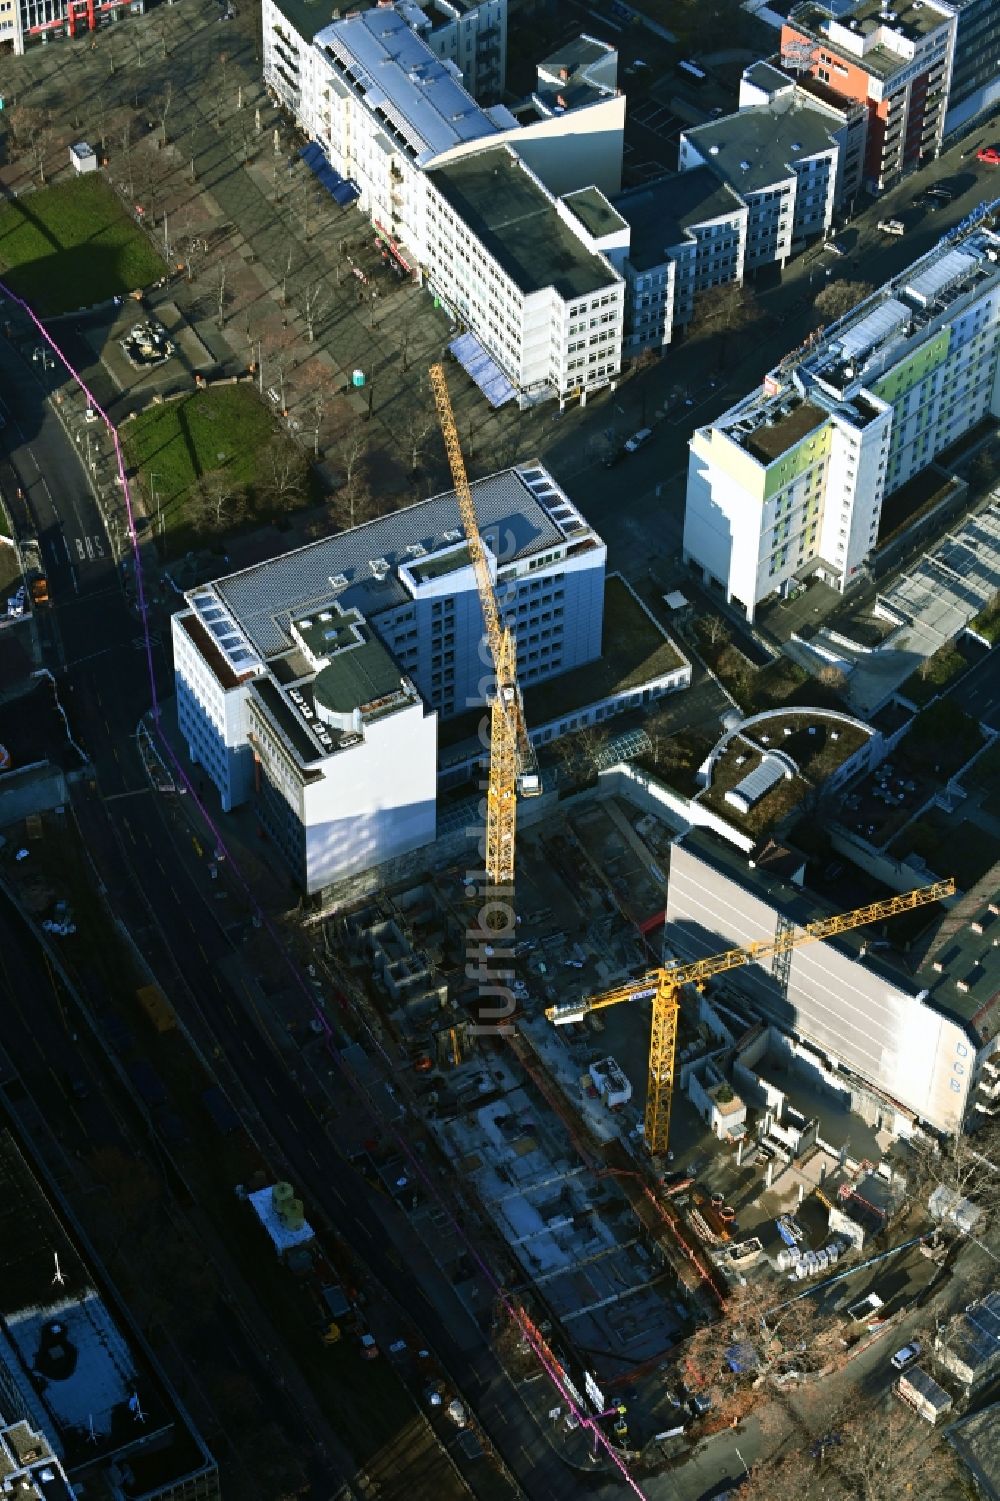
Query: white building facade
{"x": 869, "y": 1034}
{"x": 789, "y": 483}
{"x": 312, "y": 684}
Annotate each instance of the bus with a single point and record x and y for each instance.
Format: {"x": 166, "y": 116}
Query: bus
{"x": 692, "y": 72}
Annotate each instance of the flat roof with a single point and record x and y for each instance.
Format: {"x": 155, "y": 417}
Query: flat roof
{"x": 579, "y": 52}
{"x": 357, "y": 676}
{"x": 769, "y": 441}
{"x": 910, "y": 20}
{"x": 62, "y": 1346}
{"x": 663, "y": 213}
{"x": 264, "y": 598}
{"x": 805, "y": 906}
{"x": 968, "y": 982}
{"x": 767, "y": 76}
{"x": 508, "y": 211}
{"x": 594, "y": 212}
{"x": 418, "y": 97}
{"x": 757, "y": 146}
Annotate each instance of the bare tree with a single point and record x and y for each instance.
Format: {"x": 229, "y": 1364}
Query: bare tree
{"x": 581, "y": 754}
{"x": 839, "y": 297}
{"x": 417, "y": 428}
{"x": 322, "y": 390}
{"x": 163, "y": 104}
{"x": 219, "y": 499}
{"x": 832, "y": 677}
{"x": 713, "y": 628}
{"x": 283, "y": 474}
{"x": 315, "y": 302}
{"x": 968, "y": 1166}
{"x": 32, "y": 131}
{"x": 285, "y": 275}
{"x": 724, "y": 309}
{"x": 220, "y": 291}
{"x": 279, "y": 358}
{"x": 878, "y": 1444}
{"x": 355, "y": 501}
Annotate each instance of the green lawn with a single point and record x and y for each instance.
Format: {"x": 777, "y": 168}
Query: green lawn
{"x": 987, "y": 622}
{"x": 73, "y": 245}
{"x": 960, "y": 850}
{"x": 933, "y": 675}
{"x": 223, "y": 428}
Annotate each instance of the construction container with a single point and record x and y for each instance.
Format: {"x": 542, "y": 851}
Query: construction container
{"x": 923, "y": 1394}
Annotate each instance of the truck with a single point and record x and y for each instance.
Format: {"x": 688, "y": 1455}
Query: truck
{"x": 892, "y": 226}
{"x": 34, "y": 572}
{"x": 157, "y": 1008}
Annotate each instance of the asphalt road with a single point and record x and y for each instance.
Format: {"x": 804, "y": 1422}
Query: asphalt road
{"x": 82, "y": 1112}
{"x": 164, "y": 898}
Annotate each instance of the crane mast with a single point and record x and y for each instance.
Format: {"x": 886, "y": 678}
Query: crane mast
{"x": 664, "y": 986}
{"x": 513, "y": 767}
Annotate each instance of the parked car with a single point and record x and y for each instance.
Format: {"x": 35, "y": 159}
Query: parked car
{"x": 988, "y": 154}
{"x": 892, "y": 226}
{"x": 837, "y": 247}
{"x": 906, "y": 1356}
{"x": 638, "y": 439}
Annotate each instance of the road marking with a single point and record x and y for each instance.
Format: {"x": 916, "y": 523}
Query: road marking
{"x": 201, "y": 950}
{"x": 231, "y": 1014}
{"x": 270, "y": 1084}
{"x": 315, "y": 1159}
{"x": 248, "y": 1047}
{"x": 127, "y": 825}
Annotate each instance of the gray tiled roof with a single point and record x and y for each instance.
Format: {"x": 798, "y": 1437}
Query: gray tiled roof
{"x": 263, "y": 598}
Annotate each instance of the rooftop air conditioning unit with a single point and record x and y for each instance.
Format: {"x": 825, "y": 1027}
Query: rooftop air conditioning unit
{"x": 339, "y": 581}
{"x": 415, "y": 550}
{"x": 454, "y": 535}
{"x": 379, "y": 567}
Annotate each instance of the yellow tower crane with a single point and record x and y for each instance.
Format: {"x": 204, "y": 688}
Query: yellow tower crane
{"x": 513, "y": 767}
{"x": 664, "y": 987}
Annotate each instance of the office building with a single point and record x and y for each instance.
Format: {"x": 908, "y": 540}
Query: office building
{"x": 975, "y": 73}
{"x": 469, "y": 35}
{"x": 313, "y": 683}
{"x": 896, "y": 60}
{"x": 788, "y": 484}
{"x": 686, "y": 233}
{"x": 522, "y": 270}
{"x": 766, "y": 83}
{"x": 456, "y": 205}
{"x": 81, "y": 1396}
{"x": 781, "y": 157}
{"x": 903, "y": 1043}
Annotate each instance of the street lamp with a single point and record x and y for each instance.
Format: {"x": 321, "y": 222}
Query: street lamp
{"x": 156, "y": 500}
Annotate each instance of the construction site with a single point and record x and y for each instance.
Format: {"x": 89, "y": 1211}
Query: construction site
{"x": 619, "y": 1074}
